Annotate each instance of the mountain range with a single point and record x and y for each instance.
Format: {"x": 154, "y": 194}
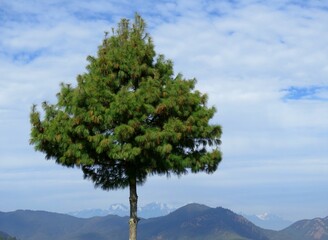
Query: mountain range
{"x": 193, "y": 221}
{"x": 150, "y": 210}
{"x": 157, "y": 209}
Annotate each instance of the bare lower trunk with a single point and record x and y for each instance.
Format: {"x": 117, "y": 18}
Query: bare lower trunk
{"x": 133, "y": 210}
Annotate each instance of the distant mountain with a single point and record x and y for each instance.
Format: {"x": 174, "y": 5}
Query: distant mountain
{"x": 119, "y": 209}
{"x": 147, "y": 211}
{"x": 315, "y": 229}
{"x": 192, "y": 222}
{"x": 115, "y": 209}
{"x": 268, "y": 221}
{"x": 155, "y": 209}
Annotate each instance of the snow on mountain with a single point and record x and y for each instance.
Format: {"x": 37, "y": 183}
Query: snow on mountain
{"x": 155, "y": 210}
{"x": 150, "y": 210}
{"x": 263, "y": 216}
{"x": 268, "y": 221}
{"x": 118, "y": 209}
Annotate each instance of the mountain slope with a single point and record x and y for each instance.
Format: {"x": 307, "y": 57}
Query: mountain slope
{"x": 196, "y": 221}
{"x": 40, "y": 225}
{"x": 315, "y": 229}
{"x": 27, "y": 224}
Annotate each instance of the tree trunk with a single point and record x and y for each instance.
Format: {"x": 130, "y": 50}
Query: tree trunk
{"x": 133, "y": 210}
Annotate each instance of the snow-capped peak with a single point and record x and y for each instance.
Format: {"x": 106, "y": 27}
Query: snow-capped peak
{"x": 149, "y": 210}
{"x": 263, "y": 216}
{"x": 268, "y": 221}
{"x": 118, "y": 207}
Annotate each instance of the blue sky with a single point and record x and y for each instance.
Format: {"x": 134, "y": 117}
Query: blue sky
{"x": 263, "y": 64}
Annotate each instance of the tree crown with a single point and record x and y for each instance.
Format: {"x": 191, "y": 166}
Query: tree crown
{"x": 128, "y": 116}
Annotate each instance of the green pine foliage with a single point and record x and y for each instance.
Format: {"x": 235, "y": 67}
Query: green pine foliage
{"x": 128, "y": 116}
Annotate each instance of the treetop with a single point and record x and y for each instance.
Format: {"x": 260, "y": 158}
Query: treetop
{"x": 128, "y": 116}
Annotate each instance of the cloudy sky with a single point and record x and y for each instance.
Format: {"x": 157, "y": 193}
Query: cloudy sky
{"x": 264, "y": 65}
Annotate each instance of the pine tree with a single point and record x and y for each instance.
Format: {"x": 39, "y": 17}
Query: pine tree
{"x": 128, "y": 117}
